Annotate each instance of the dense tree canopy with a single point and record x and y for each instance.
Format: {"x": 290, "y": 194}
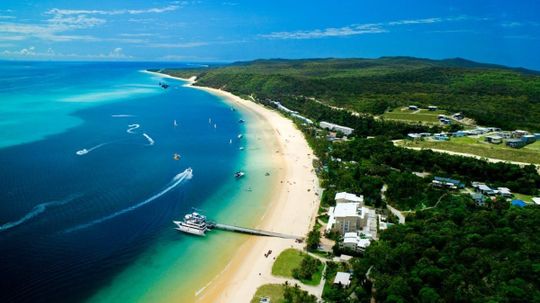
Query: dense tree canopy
{"x": 458, "y": 252}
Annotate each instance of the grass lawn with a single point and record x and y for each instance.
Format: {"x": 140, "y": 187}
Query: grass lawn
{"x": 477, "y": 146}
{"x": 422, "y": 115}
{"x": 272, "y": 291}
{"x": 290, "y": 259}
{"x": 525, "y": 198}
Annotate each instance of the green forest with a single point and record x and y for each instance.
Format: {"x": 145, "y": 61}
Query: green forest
{"x": 458, "y": 252}
{"x": 492, "y": 95}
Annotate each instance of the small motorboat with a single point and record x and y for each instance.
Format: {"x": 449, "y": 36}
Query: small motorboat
{"x": 240, "y": 136}
{"x": 239, "y": 174}
{"x": 176, "y": 156}
{"x": 81, "y": 152}
{"x": 241, "y": 148}
{"x": 241, "y": 121}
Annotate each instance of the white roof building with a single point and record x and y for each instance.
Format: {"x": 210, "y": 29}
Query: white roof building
{"x": 344, "y": 197}
{"x": 343, "y": 278}
{"x": 354, "y": 241}
{"x": 336, "y": 127}
{"x": 504, "y": 191}
{"x": 536, "y": 200}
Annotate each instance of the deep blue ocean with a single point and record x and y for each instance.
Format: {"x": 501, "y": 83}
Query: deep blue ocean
{"x": 69, "y": 223}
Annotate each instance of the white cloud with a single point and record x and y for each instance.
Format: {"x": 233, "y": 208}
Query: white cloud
{"x": 328, "y": 32}
{"x": 154, "y": 10}
{"x": 416, "y": 21}
{"x": 177, "y": 45}
{"x": 32, "y": 52}
{"x": 355, "y": 29}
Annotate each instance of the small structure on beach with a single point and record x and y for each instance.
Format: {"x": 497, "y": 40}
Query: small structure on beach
{"x": 413, "y": 107}
{"x": 432, "y": 108}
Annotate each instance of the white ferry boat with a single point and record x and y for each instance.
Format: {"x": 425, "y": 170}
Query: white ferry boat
{"x": 193, "y": 223}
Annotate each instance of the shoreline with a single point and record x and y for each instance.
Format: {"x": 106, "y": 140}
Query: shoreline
{"x": 291, "y": 208}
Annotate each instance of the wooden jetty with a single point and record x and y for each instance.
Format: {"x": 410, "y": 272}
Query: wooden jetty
{"x": 252, "y": 231}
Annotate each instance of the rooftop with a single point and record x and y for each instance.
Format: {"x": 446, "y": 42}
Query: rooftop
{"x": 347, "y": 210}
{"x": 349, "y": 197}
{"x": 343, "y": 278}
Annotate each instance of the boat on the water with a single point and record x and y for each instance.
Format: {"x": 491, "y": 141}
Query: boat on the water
{"x": 81, "y": 152}
{"x": 239, "y": 174}
{"x": 240, "y": 136}
{"x": 176, "y": 156}
{"x": 241, "y": 121}
{"x": 194, "y": 223}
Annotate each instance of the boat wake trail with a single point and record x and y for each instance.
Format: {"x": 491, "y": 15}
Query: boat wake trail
{"x": 85, "y": 151}
{"x": 150, "y": 140}
{"x": 38, "y": 209}
{"x": 132, "y": 127}
{"x": 175, "y": 182}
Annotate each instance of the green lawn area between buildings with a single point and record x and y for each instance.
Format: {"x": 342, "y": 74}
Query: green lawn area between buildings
{"x": 478, "y": 147}
{"x": 422, "y": 115}
{"x": 290, "y": 259}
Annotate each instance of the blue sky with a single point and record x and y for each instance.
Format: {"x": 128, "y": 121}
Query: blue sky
{"x": 504, "y": 32}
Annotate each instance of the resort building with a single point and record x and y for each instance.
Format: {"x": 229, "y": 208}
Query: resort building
{"x": 414, "y": 136}
{"x": 494, "y": 139}
{"x": 458, "y": 116}
{"x": 515, "y": 143}
{"x": 413, "y": 107}
{"x": 478, "y": 198}
{"x": 484, "y": 189}
{"x": 441, "y": 137}
{"x": 344, "y": 197}
{"x": 447, "y": 183}
{"x": 356, "y": 241}
{"x": 432, "y": 108}
{"x": 306, "y": 120}
{"x": 536, "y": 200}
{"x": 347, "y": 217}
{"x": 283, "y": 108}
{"x": 343, "y": 278}
{"x": 519, "y": 133}
{"x": 335, "y": 127}
{"x": 504, "y": 192}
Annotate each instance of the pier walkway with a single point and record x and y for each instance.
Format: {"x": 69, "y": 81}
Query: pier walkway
{"x": 251, "y": 231}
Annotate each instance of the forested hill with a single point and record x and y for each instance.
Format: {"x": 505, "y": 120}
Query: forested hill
{"x": 491, "y": 94}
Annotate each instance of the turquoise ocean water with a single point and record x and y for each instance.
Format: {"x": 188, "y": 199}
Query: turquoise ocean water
{"x": 97, "y": 227}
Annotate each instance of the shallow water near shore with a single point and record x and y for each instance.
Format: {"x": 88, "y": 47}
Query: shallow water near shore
{"x": 97, "y": 227}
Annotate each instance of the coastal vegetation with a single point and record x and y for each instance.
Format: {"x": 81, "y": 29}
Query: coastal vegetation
{"x": 457, "y": 252}
{"x": 490, "y": 94}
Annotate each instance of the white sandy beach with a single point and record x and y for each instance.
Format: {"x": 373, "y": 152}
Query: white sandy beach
{"x": 291, "y": 209}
